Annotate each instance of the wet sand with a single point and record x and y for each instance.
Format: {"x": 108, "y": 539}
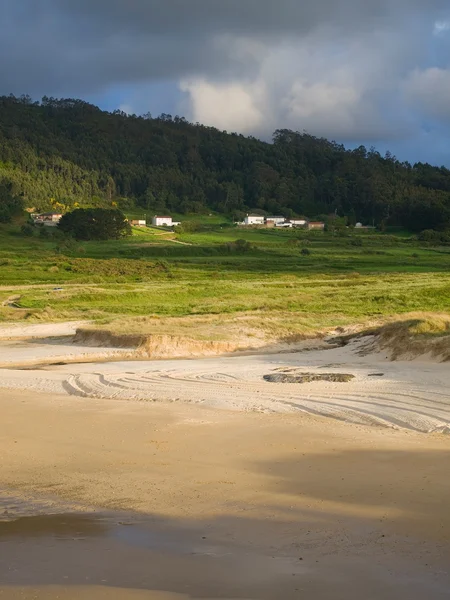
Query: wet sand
{"x": 120, "y": 499}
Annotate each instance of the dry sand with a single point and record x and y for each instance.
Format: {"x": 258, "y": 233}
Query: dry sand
{"x": 114, "y": 498}
{"x": 412, "y": 395}
{"x": 225, "y": 505}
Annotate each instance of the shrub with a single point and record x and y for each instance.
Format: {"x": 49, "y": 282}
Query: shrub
{"x": 95, "y": 224}
{"x": 305, "y": 252}
{"x": 27, "y": 230}
{"x": 239, "y": 246}
{"x": 189, "y": 227}
{"x": 66, "y": 245}
{"x": 431, "y": 236}
{"x": 356, "y": 242}
{"x": 44, "y": 232}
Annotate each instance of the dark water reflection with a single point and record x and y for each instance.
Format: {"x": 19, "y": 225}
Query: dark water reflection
{"x": 54, "y": 552}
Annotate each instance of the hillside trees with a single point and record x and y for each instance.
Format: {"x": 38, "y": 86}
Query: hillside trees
{"x": 72, "y": 152}
{"x": 11, "y": 203}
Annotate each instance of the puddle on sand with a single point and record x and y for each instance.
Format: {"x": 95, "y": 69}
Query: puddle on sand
{"x": 50, "y": 556}
{"x": 59, "y": 526}
{"x": 72, "y": 555}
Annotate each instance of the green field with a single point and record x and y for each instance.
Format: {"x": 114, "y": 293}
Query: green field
{"x": 158, "y": 274}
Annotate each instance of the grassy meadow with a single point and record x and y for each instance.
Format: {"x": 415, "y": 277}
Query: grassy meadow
{"x": 288, "y": 282}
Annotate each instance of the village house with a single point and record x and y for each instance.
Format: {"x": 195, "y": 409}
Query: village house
{"x": 284, "y": 224}
{"x": 138, "y": 223}
{"x": 159, "y": 221}
{"x": 316, "y": 225}
{"x": 298, "y": 222}
{"x": 47, "y": 219}
{"x": 275, "y": 220}
{"x": 254, "y": 220}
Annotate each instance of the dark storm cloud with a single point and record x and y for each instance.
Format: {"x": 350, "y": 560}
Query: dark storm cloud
{"x": 350, "y": 69}
{"x": 238, "y": 16}
{"x": 85, "y": 45}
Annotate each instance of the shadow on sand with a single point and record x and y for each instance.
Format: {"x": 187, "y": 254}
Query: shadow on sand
{"x": 361, "y": 525}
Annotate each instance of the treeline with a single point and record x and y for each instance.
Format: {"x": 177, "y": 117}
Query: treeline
{"x": 69, "y": 153}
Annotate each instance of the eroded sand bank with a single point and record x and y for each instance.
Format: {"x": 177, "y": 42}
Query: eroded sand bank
{"x": 207, "y": 503}
{"x": 403, "y": 394}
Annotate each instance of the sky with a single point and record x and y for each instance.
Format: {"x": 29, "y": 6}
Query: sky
{"x": 372, "y": 72}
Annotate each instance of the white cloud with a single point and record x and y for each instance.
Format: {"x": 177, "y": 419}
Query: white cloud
{"x": 232, "y": 106}
{"x": 313, "y": 102}
{"x": 126, "y": 108}
{"x": 327, "y": 88}
{"x": 441, "y": 27}
{"x": 429, "y": 91}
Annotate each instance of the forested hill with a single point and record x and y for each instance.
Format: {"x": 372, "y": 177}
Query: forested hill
{"x": 71, "y": 152}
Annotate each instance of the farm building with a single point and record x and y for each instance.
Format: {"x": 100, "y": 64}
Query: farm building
{"x": 316, "y": 225}
{"x": 138, "y": 223}
{"x": 159, "y": 221}
{"x": 275, "y": 220}
{"x": 254, "y": 220}
{"x": 284, "y": 224}
{"x": 298, "y": 222}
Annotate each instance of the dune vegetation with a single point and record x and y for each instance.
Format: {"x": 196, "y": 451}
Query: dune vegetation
{"x": 203, "y": 286}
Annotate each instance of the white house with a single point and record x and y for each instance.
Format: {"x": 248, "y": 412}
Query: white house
{"x": 286, "y": 225}
{"x": 276, "y": 220}
{"x": 159, "y": 221}
{"x": 298, "y": 222}
{"x": 254, "y": 220}
{"x": 48, "y": 219}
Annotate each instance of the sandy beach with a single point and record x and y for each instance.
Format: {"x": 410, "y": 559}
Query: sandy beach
{"x": 409, "y": 395}
{"x": 198, "y": 479}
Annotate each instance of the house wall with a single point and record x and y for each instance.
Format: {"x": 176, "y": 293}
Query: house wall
{"x": 254, "y": 220}
{"x": 316, "y": 226}
{"x": 162, "y": 221}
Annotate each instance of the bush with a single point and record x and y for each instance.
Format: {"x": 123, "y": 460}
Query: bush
{"x": 66, "y": 245}
{"x": 95, "y": 224}
{"x": 27, "y": 230}
{"x": 356, "y": 242}
{"x": 239, "y": 246}
{"x": 189, "y": 227}
{"x": 305, "y": 252}
{"x": 44, "y": 232}
{"x": 431, "y": 236}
